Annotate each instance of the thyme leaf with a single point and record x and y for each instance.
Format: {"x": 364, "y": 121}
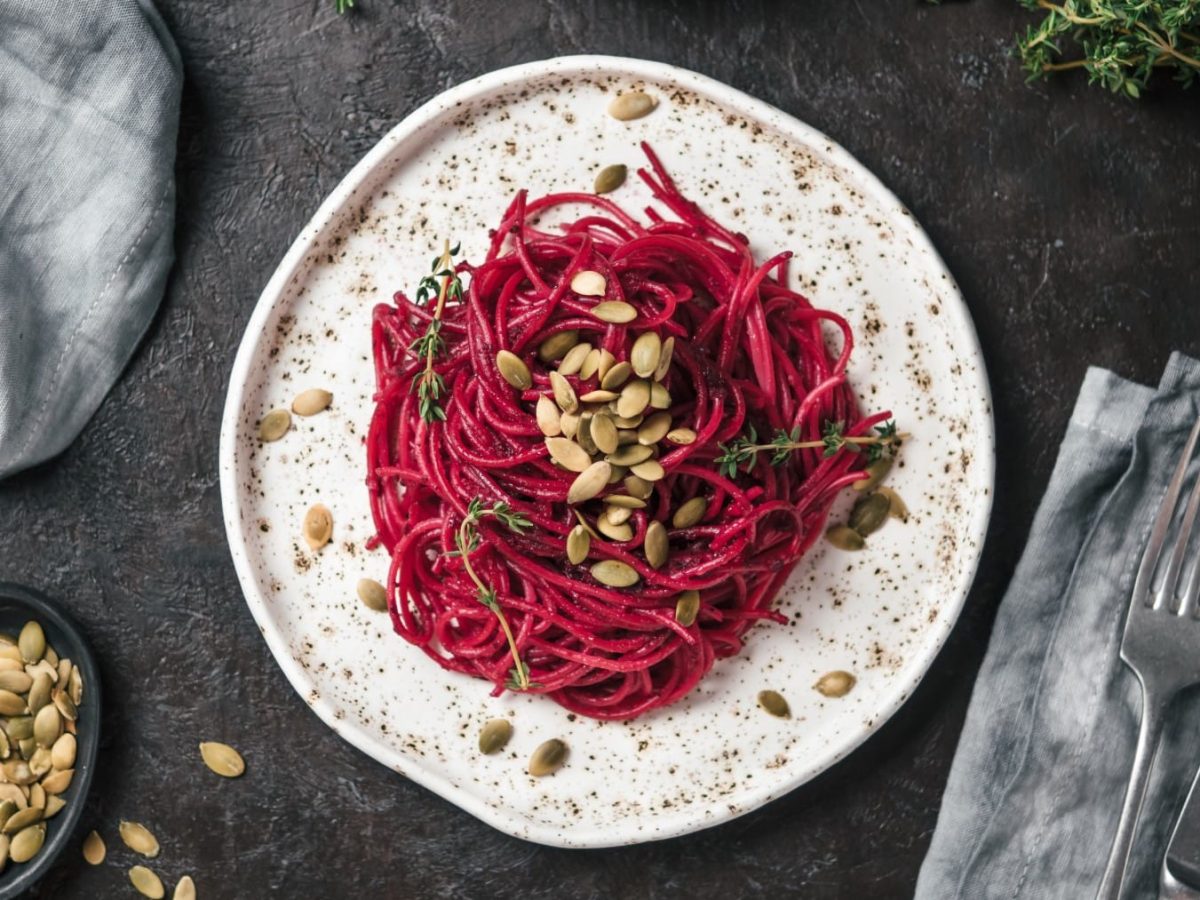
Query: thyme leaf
{"x": 742, "y": 452}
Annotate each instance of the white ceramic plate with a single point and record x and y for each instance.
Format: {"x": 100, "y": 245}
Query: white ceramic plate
{"x": 447, "y": 171}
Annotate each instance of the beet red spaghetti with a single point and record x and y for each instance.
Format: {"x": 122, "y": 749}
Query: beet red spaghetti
{"x": 489, "y": 415}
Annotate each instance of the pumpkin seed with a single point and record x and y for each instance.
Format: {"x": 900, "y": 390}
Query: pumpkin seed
{"x": 19, "y": 682}
{"x": 14, "y": 793}
{"x": 32, "y": 642}
{"x": 22, "y": 819}
{"x": 4, "y": 847}
{"x": 690, "y": 513}
{"x": 11, "y": 651}
{"x": 609, "y": 179}
{"x": 629, "y": 421}
{"x": 584, "y": 433}
{"x": 569, "y": 423}
{"x": 42, "y": 666}
{"x": 25, "y": 845}
{"x": 897, "y": 509}
{"x": 654, "y": 429}
{"x": 875, "y": 473}
{"x": 27, "y": 748}
{"x": 626, "y": 436}
{"x": 630, "y": 455}
{"x": 845, "y": 538}
{"x": 75, "y": 686}
{"x": 835, "y": 684}
{"x": 651, "y": 470}
{"x": 564, "y": 394}
{"x": 51, "y": 656}
{"x": 589, "y": 483}
{"x": 579, "y": 543}
{"x": 638, "y": 487}
{"x": 94, "y": 850}
{"x": 549, "y": 419}
{"x": 274, "y": 425}
{"x": 681, "y": 436}
{"x": 634, "y": 397}
{"x": 62, "y": 754}
{"x": 20, "y": 728}
{"x": 311, "y": 402}
{"x": 604, "y": 434}
{"x": 645, "y": 354}
{"x": 617, "y": 515}
{"x": 5, "y": 748}
{"x": 622, "y": 532}
{"x": 773, "y": 702}
{"x": 587, "y": 283}
{"x": 616, "y": 312}
{"x": 656, "y": 545}
{"x": 557, "y": 345}
{"x": 590, "y": 364}
{"x": 616, "y": 376}
{"x": 687, "y": 607}
{"x": 614, "y": 573}
{"x": 513, "y": 370}
{"x": 318, "y": 527}
{"x": 494, "y": 735}
{"x": 137, "y": 837}
{"x": 7, "y": 810}
{"x": 146, "y": 883}
{"x": 185, "y": 889}
{"x": 54, "y": 805}
{"x": 664, "y": 359}
{"x": 11, "y": 704}
{"x": 573, "y": 361}
{"x": 659, "y": 397}
{"x": 607, "y": 361}
{"x": 222, "y": 759}
{"x": 547, "y": 758}
{"x": 47, "y": 725}
{"x": 58, "y": 781}
{"x": 622, "y": 500}
{"x": 568, "y": 454}
{"x": 587, "y": 526}
{"x": 869, "y": 513}
{"x": 40, "y": 763}
{"x": 598, "y": 396}
{"x": 37, "y": 798}
{"x": 64, "y": 673}
{"x": 631, "y": 105}
{"x": 372, "y": 594}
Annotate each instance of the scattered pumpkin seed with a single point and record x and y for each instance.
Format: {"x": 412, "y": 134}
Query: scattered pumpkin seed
{"x": 311, "y": 402}
{"x": 622, "y": 500}
{"x": 25, "y": 845}
{"x": 32, "y": 642}
{"x": 835, "y": 684}
{"x": 589, "y": 483}
{"x": 579, "y": 544}
{"x": 629, "y": 421}
{"x": 645, "y": 354}
{"x": 638, "y": 487}
{"x": 584, "y": 433}
{"x": 617, "y": 473}
{"x": 19, "y": 682}
{"x": 94, "y": 850}
{"x": 656, "y": 545}
{"x": 568, "y": 454}
{"x": 634, "y": 397}
{"x": 40, "y": 763}
{"x": 875, "y": 473}
{"x": 22, "y": 819}
{"x": 185, "y": 889}
{"x": 146, "y": 883}
{"x": 621, "y": 533}
{"x": 631, "y": 105}
{"x": 54, "y": 805}
{"x": 222, "y": 759}
{"x": 690, "y": 513}
{"x": 617, "y": 515}
{"x": 615, "y": 312}
{"x": 549, "y": 419}
{"x": 372, "y": 594}
{"x": 687, "y": 607}
{"x": 609, "y": 179}
{"x": 630, "y": 455}
{"x": 494, "y": 735}
{"x": 62, "y": 754}
{"x": 274, "y": 425}
{"x": 569, "y": 423}
{"x": 681, "y": 436}
{"x": 654, "y": 429}
{"x": 587, "y": 283}
{"x": 607, "y": 361}
{"x": 139, "y": 839}
{"x": 626, "y": 436}
{"x": 897, "y": 508}
{"x": 604, "y": 434}
{"x": 557, "y": 345}
{"x": 659, "y": 397}
{"x": 600, "y": 396}
{"x": 614, "y": 573}
{"x": 27, "y": 748}
{"x": 590, "y": 364}
{"x": 845, "y": 538}
{"x": 318, "y": 527}
{"x": 547, "y": 758}
{"x": 64, "y": 673}
{"x": 75, "y": 686}
{"x": 616, "y": 376}
{"x": 869, "y": 513}
{"x": 664, "y": 359}
{"x": 564, "y": 394}
{"x": 47, "y": 725}
{"x": 20, "y": 728}
{"x": 37, "y": 798}
{"x": 773, "y": 702}
{"x": 12, "y": 704}
{"x": 513, "y": 370}
{"x": 58, "y": 781}
{"x": 651, "y": 470}
{"x": 573, "y": 361}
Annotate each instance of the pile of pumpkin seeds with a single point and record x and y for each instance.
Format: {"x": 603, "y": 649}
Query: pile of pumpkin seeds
{"x": 871, "y": 511}
{"x": 40, "y": 694}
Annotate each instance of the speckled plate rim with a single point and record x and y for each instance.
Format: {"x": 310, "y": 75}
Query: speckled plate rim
{"x": 328, "y": 213}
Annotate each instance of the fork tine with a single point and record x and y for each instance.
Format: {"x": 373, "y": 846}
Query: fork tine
{"x": 1170, "y": 583}
{"x": 1166, "y": 511}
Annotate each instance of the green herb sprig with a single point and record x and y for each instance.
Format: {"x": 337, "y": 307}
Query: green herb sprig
{"x": 441, "y": 282}
{"x": 468, "y": 540}
{"x": 743, "y": 451}
{"x": 342, "y": 5}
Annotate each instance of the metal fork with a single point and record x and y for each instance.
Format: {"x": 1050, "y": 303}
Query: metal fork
{"x": 1162, "y": 647}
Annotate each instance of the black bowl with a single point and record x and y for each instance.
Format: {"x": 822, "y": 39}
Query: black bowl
{"x": 17, "y": 606}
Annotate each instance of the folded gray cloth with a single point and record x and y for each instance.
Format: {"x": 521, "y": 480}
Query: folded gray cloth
{"x": 1038, "y": 780}
{"x": 89, "y": 110}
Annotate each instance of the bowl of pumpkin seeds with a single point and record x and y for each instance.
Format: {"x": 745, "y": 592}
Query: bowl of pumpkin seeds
{"x": 49, "y": 734}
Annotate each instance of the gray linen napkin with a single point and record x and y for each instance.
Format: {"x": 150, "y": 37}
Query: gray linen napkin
{"x": 1037, "y": 783}
{"x": 89, "y": 109}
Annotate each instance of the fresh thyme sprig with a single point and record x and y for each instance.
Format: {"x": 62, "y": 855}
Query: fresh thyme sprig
{"x": 743, "y": 451}
{"x": 468, "y": 540}
{"x": 441, "y": 282}
{"x": 1119, "y": 43}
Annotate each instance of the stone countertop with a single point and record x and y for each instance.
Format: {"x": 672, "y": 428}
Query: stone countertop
{"x": 1069, "y": 217}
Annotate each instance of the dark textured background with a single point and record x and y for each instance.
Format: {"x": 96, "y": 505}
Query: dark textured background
{"x": 1068, "y": 216}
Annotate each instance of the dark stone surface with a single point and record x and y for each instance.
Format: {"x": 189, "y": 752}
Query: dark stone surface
{"x": 1068, "y": 216}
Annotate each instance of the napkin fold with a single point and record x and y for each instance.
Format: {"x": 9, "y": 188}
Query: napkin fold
{"x": 1038, "y": 780}
{"x": 89, "y": 110}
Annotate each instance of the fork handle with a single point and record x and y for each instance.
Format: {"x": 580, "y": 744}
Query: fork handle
{"x": 1153, "y": 719}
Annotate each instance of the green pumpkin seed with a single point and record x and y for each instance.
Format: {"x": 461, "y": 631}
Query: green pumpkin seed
{"x": 20, "y": 727}
{"x": 557, "y": 345}
{"x": 25, "y": 845}
{"x": 146, "y": 883}
{"x": 7, "y": 810}
{"x": 896, "y": 507}
{"x": 27, "y": 747}
{"x": 634, "y": 398}
{"x": 617, "y": 473}
{"x": 656, "y": 545}
{"x": 64, "y": 673}
{"x": 622, "y": 532}
{"x": 664, "y": 359}
{"x": 222, "y": 759}
{"x": 547, "y": 758}
{"x": 654, "y": 429}
{"x": 587, "y": 526}
{"x": 51, "y": 656}
{"x": 587, "y": 283}
{"x": 569, "y": 422}
{"x": 630, "y": 455}
{"x": 681, "y": 436}
{"x": 311, "y": 402}
{"x": 584, "y": 433}
{"x": 604, "y": 434}
{"x": 39, "y": 764}
{"x": 58, "y": 781}
{"x": 14, "y": 793}
{"x": 579, "y": 544}
{"x": 568, "y": 454}
{"x": 607, "y": 361}
{"x": 617, "y": 515}
{"x": 869, "y": 513}
{"x": 19, "y": 682}
{"x": 773, "y": 702}
{"x": 845, "y": 538}
{"x": 590, "y": 364}
{"x": 600, "y": 396}
{"x": 138, "y": 838}
{"x": 494, "y": 735}
{"x": 22, "y": 819}
{"x": 687, "y": 607}
{"x": 622, "y": 500}
{"x": 94, "y": 850}
{"x": 573, "y": 361}
{"x": 835, "y": 684}
{"x": 659, "y": 397}
{"x": 185, "y": 889}
{"x": 875, "y": 473}
{"x": 616, "y": 312}
{"x": 513, "y": 370}
{"x": 564, "y": 394}
{"x": 32, "y": 642}
{"x": 318, "y": 529}
{"x": 62, "y": 754}
{"x": 274, "y": 425}
{"x": 650, "y": 470}
{"x": 37, "y": 797}
{"x": 75, "y": 686}
{"x": 614, "y": 573}
{"x": 609, "y": 179}
{"x": 624, "y": 422}
{"x": 47, "y": 725}
{"x": 645, "y": 354}
{"x": 690, "y": 513}
{"x": 616, "y": 376}
{"x": 589, "y": 483}
{"x": 54, "y": 805}
{"x": 631, "y": 105}
{"x": 11, "y": 704}
{"x": 638, "y": 487}
{"x": 372, "y": 594}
